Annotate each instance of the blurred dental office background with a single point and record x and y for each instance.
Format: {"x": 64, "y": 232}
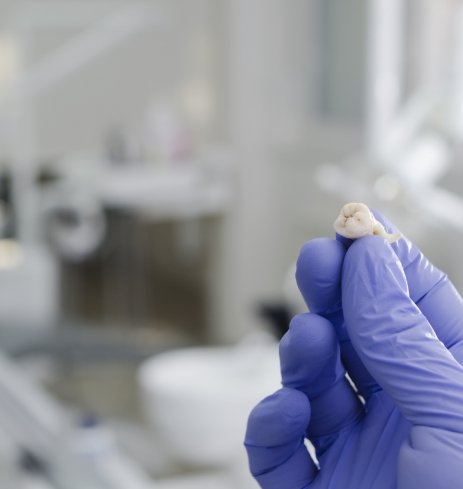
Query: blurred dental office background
{"x": 161, "y": 163}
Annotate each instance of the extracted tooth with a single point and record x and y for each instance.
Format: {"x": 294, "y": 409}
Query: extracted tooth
{"x": 356, "y": 220}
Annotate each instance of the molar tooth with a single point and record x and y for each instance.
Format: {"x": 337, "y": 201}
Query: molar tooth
{"x": 356, "y": 220}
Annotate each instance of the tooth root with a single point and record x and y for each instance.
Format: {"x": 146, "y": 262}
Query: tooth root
{"x": 378, "y": 230}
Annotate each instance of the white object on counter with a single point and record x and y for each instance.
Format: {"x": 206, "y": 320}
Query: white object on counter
{"x": 198, "y": 400}
{"x": 96, "y": 445}
{"x": 9, "y": 456}
{"x": 28, "y": 276}
{"x": 31, "y": 481}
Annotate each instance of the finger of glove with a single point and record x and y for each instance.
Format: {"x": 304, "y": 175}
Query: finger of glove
{"x": 431, "y": 290}
{"x": 417, "y": 467}
{"x": 275, "y": 441}
{"x": 318, "y": 275}
{"x": 310, "y": 362}
{"x": 394, "y": 339}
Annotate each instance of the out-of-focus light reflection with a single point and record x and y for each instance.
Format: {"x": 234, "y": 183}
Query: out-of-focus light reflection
{"x": 425, "y": 160}
{"x": 10, "y": 253}
{"x": 387, "y": 187}
{"x": 198, "y": 101}
{"x": 9, "y": 61}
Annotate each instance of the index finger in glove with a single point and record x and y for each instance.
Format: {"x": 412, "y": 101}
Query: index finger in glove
{"x": 394, "y": 339}
{"x": 432, "y": 292}
{"x": 318, "y": 275}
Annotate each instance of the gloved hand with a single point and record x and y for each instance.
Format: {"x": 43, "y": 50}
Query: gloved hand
{"x": 395, "y": 323}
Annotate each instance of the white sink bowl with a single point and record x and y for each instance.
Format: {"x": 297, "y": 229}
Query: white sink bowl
{"x": 198, "y": 400}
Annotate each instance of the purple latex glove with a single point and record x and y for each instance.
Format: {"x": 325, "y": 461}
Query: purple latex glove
{"x": 395, "y": 323}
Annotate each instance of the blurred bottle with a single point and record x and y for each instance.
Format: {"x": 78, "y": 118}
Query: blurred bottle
{"x": 96, "y": 446}
{"x": 123, "y": 147}
{"x": 7, "y": 214}
{"x": 167, "y": 137}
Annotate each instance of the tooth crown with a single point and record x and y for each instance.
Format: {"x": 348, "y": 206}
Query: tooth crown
{"x": 356, "y": 220}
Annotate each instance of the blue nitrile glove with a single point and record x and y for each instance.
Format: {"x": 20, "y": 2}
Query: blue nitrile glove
{"x": 395, "y": 323}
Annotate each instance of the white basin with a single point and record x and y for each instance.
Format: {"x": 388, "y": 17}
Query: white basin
{"x": 198, "y": 400}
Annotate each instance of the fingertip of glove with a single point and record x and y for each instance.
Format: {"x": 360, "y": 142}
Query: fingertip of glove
{"x": 318, "y": 272}
{"x": 369, "y": 255}
{"x": 318, "y": 253}
{"x": 367, "y": 247}
{"x": 308, "y": 335}
{"x": 371, "y": 270}
{"x": 278, "y": 419}
{"x": 346, "y": 242}
{"x": 309, "y": 354}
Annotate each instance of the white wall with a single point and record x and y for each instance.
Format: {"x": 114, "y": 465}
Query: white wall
{"x": 261, "y": 61}
{"x": 268, "y": 88}
{"x": 157, "y": 64}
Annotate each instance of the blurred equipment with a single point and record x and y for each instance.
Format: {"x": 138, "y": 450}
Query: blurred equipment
{"x": 413, "y": 131}
{"x": 27, "y": 272}
{"x": 7, "y": 215}
{"x": 65, "y": 456}
{"x": 278, "y": 315}
{"x": 77, "y": 226}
